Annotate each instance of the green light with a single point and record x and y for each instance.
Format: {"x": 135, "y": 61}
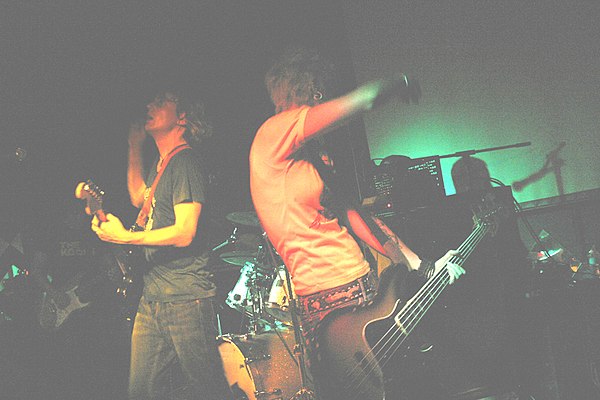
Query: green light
{"x": 418, "y": 134}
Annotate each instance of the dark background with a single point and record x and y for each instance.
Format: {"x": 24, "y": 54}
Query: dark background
{"x": 75, "y": 74}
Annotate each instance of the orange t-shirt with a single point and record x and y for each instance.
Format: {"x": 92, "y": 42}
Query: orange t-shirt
{"x": 318, "y": 252}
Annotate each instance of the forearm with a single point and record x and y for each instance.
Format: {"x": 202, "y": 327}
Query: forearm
{"x": 326, "y": 116}
{"x": 397, "y": 250}
{"x": 135, "y": 178}
{"x": 168, "y": 236}
{"x": 389, "y": 244}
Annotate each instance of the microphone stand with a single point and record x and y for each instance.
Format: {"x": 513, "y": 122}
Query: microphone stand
{"x": 472, "y": 152}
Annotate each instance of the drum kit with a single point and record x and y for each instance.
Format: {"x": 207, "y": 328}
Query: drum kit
{"x": 265, "y": 361}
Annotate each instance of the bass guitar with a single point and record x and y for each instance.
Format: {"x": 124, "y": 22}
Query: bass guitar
{"x": 360, "y": 350}
{"x": 130, "y": 288}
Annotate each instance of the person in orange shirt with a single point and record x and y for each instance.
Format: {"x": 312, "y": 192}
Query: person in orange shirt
{"x": 325, "y": 262}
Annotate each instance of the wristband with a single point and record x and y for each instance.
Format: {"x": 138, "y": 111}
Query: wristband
{"x": 426, "y": 268}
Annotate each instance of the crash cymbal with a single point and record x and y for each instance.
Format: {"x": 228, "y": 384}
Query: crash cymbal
{"x": 239, "y": 257}
{"x": 247, "y": 218}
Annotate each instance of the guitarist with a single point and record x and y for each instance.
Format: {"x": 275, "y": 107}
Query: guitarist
{"x": 327, "y": 266}
{"x": 174, "y": 325}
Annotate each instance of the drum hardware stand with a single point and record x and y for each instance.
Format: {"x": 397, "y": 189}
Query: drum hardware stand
{"x": 304, "y": 393}
{"x": 257, "y": 305}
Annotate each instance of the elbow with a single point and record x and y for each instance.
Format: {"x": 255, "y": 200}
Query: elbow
{"x": 184, "y": 240}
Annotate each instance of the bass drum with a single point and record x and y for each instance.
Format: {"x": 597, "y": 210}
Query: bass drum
{"x": 260, "y": 367}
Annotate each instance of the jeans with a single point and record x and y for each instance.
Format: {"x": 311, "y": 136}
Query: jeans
{"x": 176, "y": 336}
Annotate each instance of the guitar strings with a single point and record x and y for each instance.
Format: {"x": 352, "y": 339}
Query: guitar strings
{"x": 393, "y": 334}
{"x": 440, "y": 278}
{"x": 431, "y": 290}
{"x": 438, "y": 282}
{"x": 414, "y": 306}
{"x": 397, "y": 334}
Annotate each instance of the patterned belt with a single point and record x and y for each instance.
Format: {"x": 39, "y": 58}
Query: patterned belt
{"x": 362, "y": 288}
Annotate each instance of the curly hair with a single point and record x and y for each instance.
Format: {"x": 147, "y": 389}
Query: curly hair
{"x": 299, "y": 77}
{"x": 198, "y": 127}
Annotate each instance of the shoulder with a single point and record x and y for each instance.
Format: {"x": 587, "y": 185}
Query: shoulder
{"x": 285, "y": 128}
{"x": 288, "y": 117}
{"x": 187, "y": 157}
{"x": 186, "y": 164}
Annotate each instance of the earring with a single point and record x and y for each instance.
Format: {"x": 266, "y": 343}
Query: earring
{"x": 317, "y": 96}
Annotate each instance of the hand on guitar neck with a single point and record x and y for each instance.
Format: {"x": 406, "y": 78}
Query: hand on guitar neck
{"x": 131, "y": 285}
{"x": 113, "y": 230}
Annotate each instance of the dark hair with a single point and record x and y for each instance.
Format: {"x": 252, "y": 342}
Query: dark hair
{"x": 297, "y": 77}
{"x": 470, "y": 174}
{"x": 198, "y": 127}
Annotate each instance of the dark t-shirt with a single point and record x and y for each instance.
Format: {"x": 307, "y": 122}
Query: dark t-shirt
{"x": 177, "y": 273}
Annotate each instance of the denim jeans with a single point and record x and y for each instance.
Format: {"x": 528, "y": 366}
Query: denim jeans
{"x": 176, "y": 336}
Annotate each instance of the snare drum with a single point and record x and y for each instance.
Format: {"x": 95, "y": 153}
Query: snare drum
{"x": 260, "y": 366}
{"x": 279, "y": 297}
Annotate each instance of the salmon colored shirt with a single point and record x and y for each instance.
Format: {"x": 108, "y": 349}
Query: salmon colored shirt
{"x": 318, "y": 252}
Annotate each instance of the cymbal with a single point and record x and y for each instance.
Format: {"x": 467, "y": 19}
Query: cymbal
{"x": 247, "y": 218}
{"x": 541, "y": 255}
{"x": 239, "y": 257}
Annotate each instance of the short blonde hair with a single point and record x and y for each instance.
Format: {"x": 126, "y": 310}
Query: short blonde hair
{"x": 297, "y": 77}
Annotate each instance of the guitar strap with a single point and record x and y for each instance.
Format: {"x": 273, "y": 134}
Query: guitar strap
{"x": 142, "y": 218}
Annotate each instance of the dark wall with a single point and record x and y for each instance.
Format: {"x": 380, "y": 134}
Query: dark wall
{"x": 75, "y": 74}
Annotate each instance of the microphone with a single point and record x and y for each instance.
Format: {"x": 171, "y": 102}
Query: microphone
{"x": 19, "y": 154}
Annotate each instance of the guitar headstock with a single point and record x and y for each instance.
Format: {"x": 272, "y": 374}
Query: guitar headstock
{"x": 93, "y": 195}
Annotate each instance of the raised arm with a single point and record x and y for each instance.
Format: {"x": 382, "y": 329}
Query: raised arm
{"x": 330, "y": 114}
{"x": 135, "y": 167}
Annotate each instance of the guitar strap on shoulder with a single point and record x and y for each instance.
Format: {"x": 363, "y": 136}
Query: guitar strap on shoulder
{"x": 142, "y": 218}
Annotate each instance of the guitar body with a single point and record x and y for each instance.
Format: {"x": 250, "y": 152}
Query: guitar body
{"x": 131, "y": 282}
{"x": 131, "y": 285}
{"x": 54, "y": 312}
{"x": 346, "y": 368}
